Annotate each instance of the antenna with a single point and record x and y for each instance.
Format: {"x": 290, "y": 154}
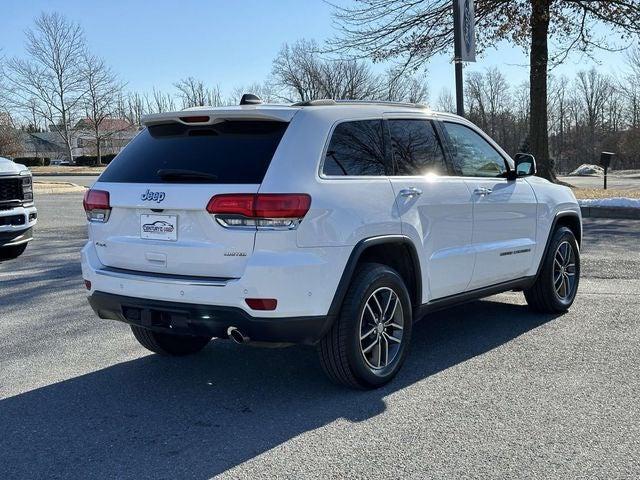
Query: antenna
{"x": 250, "y": 99}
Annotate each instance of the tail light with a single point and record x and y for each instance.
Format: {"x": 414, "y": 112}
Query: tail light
{"x": 268, "y": 211}
{"x": 96, "y": 205}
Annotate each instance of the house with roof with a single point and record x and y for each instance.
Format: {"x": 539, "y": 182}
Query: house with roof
{"x": 42, "y": 145}
{"x": 116, "y": 133}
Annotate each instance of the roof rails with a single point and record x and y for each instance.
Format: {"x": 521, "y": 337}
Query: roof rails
{"x": 329, "y": 101}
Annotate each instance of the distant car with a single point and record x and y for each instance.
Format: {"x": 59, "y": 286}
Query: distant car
{"x": 58, "y": 161}
{"x": 18, "y": 213}
{"x": 330, "y": 223}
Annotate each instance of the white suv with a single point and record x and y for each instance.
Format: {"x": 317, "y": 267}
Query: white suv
{"x": 330, "y": 223}
{"x": 18, "y": 214}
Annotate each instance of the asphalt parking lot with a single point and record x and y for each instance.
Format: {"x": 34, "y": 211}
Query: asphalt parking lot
{"x": 490, "y": 390}
{"x": 629, "y": 180}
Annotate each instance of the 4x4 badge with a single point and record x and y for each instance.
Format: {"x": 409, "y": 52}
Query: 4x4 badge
{"x": 152, "y": 196}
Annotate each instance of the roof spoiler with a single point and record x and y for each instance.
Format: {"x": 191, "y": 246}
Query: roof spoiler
{"x": 217, "y": 115}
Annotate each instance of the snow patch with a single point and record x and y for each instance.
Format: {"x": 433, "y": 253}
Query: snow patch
{"x": 611, "y": 202}
{"x": 587, "y": 169}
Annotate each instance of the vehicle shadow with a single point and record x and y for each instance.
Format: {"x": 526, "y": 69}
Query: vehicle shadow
{"x": 198, "y": 416}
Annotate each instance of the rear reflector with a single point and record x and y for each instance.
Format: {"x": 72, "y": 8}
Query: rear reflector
{"x": 87, "y": 284}
{"x": 262, "y": 303}
{"x": 96, "y": 205}
{"x": 263, "y": 205}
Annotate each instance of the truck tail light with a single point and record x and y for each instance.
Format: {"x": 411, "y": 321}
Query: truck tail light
{"x": 267, "y": 211}
{"x": 96, "y": 205}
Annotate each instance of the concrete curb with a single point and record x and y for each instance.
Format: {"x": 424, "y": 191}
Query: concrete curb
{"x": 627, "y": 213}
{"x": 45, "y": 188}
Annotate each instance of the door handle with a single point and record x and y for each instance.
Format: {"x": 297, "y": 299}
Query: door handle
{"x": 410, "y": 192}
{"x": 482, "y": 191}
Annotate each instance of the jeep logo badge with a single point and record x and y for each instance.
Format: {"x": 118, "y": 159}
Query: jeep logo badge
{"x": 152, "y": 196}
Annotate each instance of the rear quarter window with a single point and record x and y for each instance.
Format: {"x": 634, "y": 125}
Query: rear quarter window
{"x": 236, "y": 151}
{"x": 356, "y": 149}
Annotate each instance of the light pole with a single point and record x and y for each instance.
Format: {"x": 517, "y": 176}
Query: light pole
{"x": 457, "y": 57}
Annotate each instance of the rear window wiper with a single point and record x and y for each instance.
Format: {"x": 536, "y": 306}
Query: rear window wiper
{"x": 180, "y": 174}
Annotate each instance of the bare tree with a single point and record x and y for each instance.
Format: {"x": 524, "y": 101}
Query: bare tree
{"x": 302, "y": 73}
{"x": 194, "y": 93}
{"x": 488, "y": 97}
{"x": 633, "y": 60}
{"x": 445, "y": 101}
{"x": 297, "y": 70}
{"x": 348, "y": 79}
{"x": 630, "y": 86}
{"x": 559, "y": 120}
{"x": 102, "y": 90}
{"x": 593, "y": 89}
{"x": 50, "y": 81}
{"x": 414, "y": 31}
{"x": 159, "y": 102}
{"x": 131, "y": 107}
{"x": 267, "y": 92}
{"x": 475, "y": 98}
{"x": 398, "y": 86}
{"x": 9, "y": 141}
{"x": 4, "y": 99}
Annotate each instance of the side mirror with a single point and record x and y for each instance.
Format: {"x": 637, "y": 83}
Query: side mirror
{"x": 525, "y": 166}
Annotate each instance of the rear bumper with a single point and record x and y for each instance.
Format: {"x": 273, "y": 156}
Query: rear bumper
{"x": 303, "y": 281}
{"x": 193, "y": 319}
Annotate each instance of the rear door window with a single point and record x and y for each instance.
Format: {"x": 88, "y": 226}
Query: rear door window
{"x": 356, "y": 148}
{"x": 236, "y": 151}
{"x": 416, "y": 148}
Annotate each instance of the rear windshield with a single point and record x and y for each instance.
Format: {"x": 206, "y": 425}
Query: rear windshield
{"x": 227, "y": 152}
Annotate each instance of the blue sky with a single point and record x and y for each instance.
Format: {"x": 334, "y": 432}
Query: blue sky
{"x": 229, "y": 43}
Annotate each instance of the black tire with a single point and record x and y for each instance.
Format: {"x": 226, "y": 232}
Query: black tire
{"x": 543, "y": 296}
{"x": 168, "y": 343}
{"x": 341, "y": 350}
{"x": 9, "y": 253}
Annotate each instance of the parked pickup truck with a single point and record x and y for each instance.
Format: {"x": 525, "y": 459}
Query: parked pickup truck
{"x": 18, "y": 213}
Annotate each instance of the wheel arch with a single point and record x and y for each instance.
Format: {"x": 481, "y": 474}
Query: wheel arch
{"x": 569, "y": 219}
{"x": 396, "y": 251}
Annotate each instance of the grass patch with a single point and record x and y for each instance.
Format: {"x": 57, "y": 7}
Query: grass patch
{"x": 586, "y": 193}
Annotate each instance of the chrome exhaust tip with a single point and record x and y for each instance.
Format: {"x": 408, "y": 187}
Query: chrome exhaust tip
{"x": 237, "y": 336}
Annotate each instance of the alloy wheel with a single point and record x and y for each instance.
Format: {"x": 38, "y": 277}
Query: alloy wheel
{"x": 564, "y": 271}
{"x": 381, "y": 328}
